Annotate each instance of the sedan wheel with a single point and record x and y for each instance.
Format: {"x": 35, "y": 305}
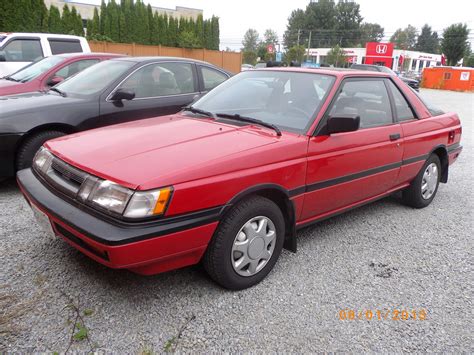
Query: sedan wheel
{"x": 430, "y": 181}
{"x": 423, "y": 188}
{"x": 246, "y": 244}
{"x": 253, "y": 246}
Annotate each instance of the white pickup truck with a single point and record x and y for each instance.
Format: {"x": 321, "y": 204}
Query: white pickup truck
{"x": 19, "y": 49}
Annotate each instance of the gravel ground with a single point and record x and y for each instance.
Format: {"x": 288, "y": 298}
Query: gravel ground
{"x": 383, "y": 256}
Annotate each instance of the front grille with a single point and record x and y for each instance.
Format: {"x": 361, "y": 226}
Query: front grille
{"x": 64, "y": 177}
{"x": 67, "y": 171}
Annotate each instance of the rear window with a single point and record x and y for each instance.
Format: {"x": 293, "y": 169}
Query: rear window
{"x": 435, "y": 111}
{"x": 59, "y": 46}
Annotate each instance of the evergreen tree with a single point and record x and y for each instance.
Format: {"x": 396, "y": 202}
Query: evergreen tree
{"x": 165, "y": 31}
{"x": 54, "y": 21}
{"x": 95, "y": 25}
{"x": 455, "y": 43}
{"x": 200, "y": 31}
{"x": 428, "y": 41}
{"x": 76, "y": 23}
{"x": 103, "y": 16}
{"x": 151, "y": 25}
{"x": 215, "y": 33}
{"x": 67, "y": 21}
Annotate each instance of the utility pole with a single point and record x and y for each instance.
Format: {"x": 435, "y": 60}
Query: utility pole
{"x": 309, "y": 46}
{"x": 298, "y": 41}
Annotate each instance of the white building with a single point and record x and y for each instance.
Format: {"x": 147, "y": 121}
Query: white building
{"x": 413, "y": 60}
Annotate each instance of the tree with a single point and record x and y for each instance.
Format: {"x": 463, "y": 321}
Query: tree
{"x": 321, "y": 20}
{"x": 370, "y": 32}
{"x": 54, "y": 21}
{"x": 249, "y": 57}
{"x": 404, "y": 38}
{"x": 455, "y": 43}
{"x": 188, "y": 39}
{"x": 428, "y": 41}
{"x": 295, "y": 54}
{"x": 270, "y": 37}
{"x": 93, "y": 28}
{"x": 336, "y": 56}
{"x": 215, "y": 31}
{"x": 348, "y": 20}
{"x": 250, "y": 41}
{"x": 67, "y": 21}
{"x": 296, "y": 23}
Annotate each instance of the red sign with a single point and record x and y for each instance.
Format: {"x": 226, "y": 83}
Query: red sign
{"x": 270, "y": 48}
{"x": 377, "y": 49}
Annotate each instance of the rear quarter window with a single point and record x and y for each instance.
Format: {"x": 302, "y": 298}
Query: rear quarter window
{"x": 59, "y": 46}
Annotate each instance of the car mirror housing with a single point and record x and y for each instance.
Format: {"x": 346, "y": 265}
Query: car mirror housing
{"x": 120, "y": 95}
{"x": 343, "y": 123}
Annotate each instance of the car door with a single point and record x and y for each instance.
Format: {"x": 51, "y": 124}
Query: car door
{"x": 347, "y": 168}
{"x": 160, "y": 88}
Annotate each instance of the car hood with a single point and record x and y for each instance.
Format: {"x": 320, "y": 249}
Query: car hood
{"x": 7, "y": 87}
{"x": 161, "y": 151}
{"x": 30, "y": 102}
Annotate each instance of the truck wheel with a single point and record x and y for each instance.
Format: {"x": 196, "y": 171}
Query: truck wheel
{"x": 30, "y": 146}
{"x": 246, "y": 244}
{"x": 423, "y": 189}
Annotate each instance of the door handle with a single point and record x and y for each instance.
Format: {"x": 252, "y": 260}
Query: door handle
{"x": 395, "y": 136}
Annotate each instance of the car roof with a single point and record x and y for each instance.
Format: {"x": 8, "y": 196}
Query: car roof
{"x": 339, "y": 72}
{"x": 41, "y": 35}
{"x": 89, "y": 55}
{"x": 162, "y": 59}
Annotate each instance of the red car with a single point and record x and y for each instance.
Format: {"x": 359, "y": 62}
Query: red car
{"x": 49, "y": 71}
{"x": 230, "y": 179}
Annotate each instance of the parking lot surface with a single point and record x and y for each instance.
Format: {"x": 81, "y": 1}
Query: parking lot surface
{"x": 382, "y": 258}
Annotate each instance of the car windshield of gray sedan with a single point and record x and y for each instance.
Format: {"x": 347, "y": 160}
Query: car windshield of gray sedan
{"x": 95, "y": 79}
{"x": 288, "y": 100}
{"x": 35, "y": 69}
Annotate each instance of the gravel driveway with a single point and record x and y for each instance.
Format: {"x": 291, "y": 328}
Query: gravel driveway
{"x": 382, "y": 257}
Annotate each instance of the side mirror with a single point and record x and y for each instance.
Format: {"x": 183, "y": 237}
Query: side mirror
{"x": 120, "y": 95}
{"x": 343, "y": 123}
{"x": 55, "y": 80}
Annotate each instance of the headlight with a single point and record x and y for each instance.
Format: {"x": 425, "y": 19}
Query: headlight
{"x": 42, "y": 160}
{"x": 148, "y": 203}
{"x": 120, "y": 200}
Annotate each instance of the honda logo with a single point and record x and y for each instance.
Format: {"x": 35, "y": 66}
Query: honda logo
{"x": 381, "y": 48}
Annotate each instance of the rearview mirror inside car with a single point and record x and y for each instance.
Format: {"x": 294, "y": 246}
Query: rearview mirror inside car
{"x": 120, "y": 95}
{"x": 343, "y": 123}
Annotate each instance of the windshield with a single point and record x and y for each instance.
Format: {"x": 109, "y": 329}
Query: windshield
{"x": 288, "y": 100}
{"x": 95, "y": 79}
{"x": 35, "y": 69}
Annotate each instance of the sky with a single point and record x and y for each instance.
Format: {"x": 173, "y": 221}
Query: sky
{"x": 238, "y": 16}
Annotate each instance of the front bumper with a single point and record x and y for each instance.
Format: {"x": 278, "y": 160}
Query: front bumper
{"x": 146, "y": 248}
{"x": 8, "y": 145}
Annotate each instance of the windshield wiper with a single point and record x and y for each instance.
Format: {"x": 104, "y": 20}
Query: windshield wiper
{"x": 10, "y": 78}
{"x": 62, "y": 93}
{"x": 198, "y": 111}
{"x": 238, "y": 117}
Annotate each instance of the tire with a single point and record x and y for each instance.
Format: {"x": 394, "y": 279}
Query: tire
{"x": 30, "y": 146}
{"x": 413, "y": 195}
{"x": 221, "y": 255}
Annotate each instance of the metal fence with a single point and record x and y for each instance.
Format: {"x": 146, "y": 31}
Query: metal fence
{"x": 230, "y": 61}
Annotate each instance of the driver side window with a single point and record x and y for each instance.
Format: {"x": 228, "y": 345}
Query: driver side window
{"x": 365, "y": 98}
{"x": 160, "y": 79}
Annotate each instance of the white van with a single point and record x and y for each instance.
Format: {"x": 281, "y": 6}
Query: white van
{"x": 20, "y": 49}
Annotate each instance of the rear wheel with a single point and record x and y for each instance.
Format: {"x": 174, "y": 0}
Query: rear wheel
{"x": 30, "y": 146}
{"x": 246, "y": 244}
{"x": 423, "y": 189}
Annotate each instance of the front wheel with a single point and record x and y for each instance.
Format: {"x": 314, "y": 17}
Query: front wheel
{"x": 26, "y": 152}
{"x": 246, "y": 244}
{"x": 423, "y": 188}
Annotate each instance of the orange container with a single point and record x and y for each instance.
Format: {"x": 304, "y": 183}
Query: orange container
{"x": 448, "y": 78}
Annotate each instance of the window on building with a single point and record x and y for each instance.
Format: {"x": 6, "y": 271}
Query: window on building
{"x": 447, "y": 76}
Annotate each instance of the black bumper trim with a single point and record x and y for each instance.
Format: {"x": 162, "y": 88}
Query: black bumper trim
{"x": 102, "y": 231}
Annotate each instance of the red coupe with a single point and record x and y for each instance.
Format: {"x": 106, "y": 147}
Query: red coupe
{"x": 49, "y": 71}
{"x": 231, "y": 178}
